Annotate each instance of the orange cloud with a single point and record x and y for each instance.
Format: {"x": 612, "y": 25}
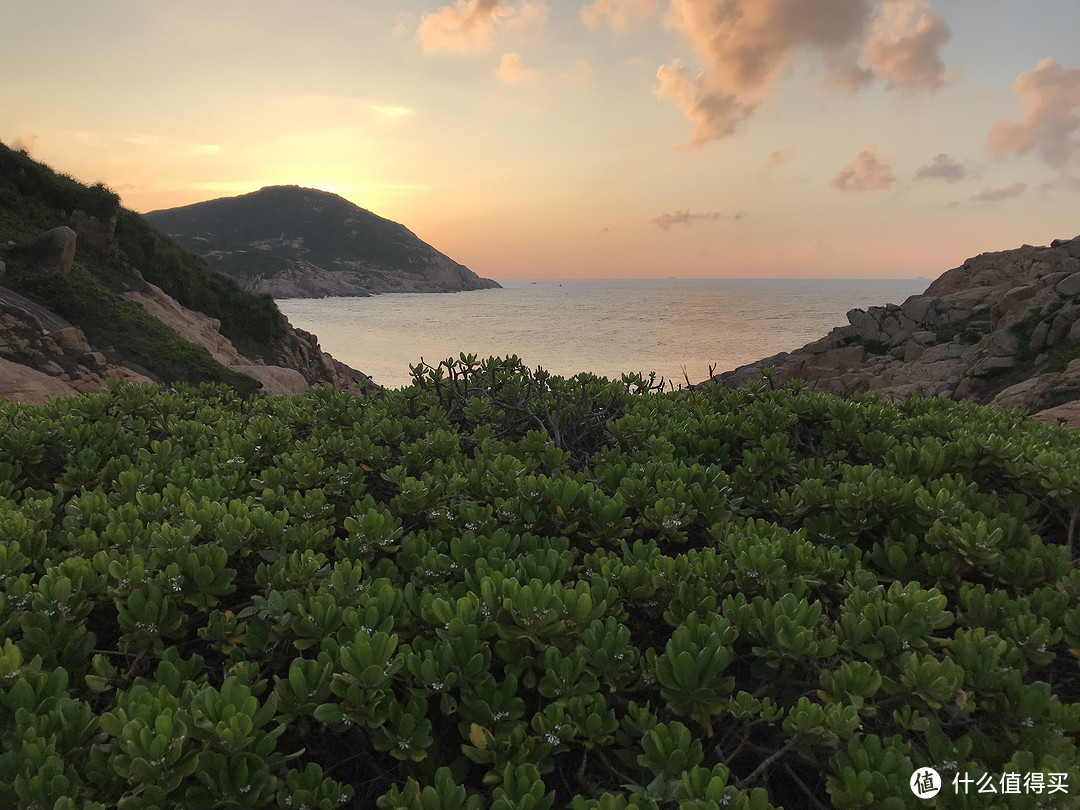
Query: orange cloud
{"x": 867, "y": 171}
{"x": 619, "y": 14}
{"x": 511, "y": 70}
{"x": 744, "y": 46}
{"x": 1050, "y": 96}
{"x": 469, "y": 25}
{"x": 905, "y": 47}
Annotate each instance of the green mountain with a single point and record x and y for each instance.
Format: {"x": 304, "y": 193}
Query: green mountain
{"x": 294, "y": 242}
{"x": 90, "y": 291}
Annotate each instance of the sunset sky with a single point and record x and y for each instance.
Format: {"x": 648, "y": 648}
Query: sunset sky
{"x": 615, "y": 138}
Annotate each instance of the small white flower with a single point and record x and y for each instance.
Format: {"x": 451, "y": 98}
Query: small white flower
{"x": 552, "y": 739}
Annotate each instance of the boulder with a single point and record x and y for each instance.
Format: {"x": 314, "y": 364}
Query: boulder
{"x": 1012, "y": 302}
{"x": 93, "y": 231}
{"x": 1067, "y": 415}
{"x": 1024, "y": 394}
{"x": 923, "y": 309}
{"x": 1069, "y": 286}
{"x": 70, "y": 340}
{"x": 1038, "y": 336}
{"x": 276, "y": 380}
{"x": 19, "y": 383}
{"x": 53, "y": 251}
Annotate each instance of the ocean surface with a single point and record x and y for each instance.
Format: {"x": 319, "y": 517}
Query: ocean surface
{"x": 677, "y": 328}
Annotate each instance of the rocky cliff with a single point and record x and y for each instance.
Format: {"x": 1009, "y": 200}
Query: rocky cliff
{"x": 1001, "y": 329}
{"x": 294, "y": 242}
{"x": 103, "y": 296}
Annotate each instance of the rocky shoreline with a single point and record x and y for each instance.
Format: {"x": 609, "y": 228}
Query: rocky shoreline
{"x": 1002, "y": 329}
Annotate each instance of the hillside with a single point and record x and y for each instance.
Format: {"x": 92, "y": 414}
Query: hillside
{"x": 294, "y": 242}
{"x": 1002, "y": 329}
{"x": 89, "y": 292}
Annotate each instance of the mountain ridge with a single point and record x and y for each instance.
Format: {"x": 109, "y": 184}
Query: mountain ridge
{"x": 296, "y": 242}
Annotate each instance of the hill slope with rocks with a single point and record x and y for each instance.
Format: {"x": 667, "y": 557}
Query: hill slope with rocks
{"x": 90, "y": 292}
{"x": 294, "y": 242}
{"x": 1002, "y": 329}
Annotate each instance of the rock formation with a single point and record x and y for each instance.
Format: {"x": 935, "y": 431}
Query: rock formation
{"x": 43, "y": 357}
{"x": 1002, "y": 329}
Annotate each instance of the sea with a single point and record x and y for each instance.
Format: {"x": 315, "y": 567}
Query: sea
{"x": 678, "y": 329}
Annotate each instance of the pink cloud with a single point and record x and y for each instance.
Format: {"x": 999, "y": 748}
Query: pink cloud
{"x": 744, "y": 46}
{"x": 511, "y": 70}
{"x": 469, "y": 25}
{"x": 1050, "y": 96}
{"x": 905, "y": 47}
{"x": 867, "y": 171}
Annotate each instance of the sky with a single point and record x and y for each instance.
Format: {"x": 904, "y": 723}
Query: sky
{"x": 561, "y": 139}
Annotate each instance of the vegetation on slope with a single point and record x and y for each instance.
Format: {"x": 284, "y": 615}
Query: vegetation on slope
{"x": 498, "y": 588}
{"x": 300, "y": 223}
{"x": 34, "y": 198}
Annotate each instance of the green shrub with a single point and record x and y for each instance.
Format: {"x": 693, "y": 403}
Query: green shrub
{"x": 703, "y": 599}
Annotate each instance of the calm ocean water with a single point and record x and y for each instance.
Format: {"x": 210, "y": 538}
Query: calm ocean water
{"x": 608, "y": 327}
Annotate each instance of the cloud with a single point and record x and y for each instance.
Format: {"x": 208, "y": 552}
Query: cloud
{"x": 744, "y": 46}
{"x": 25, "y": 143}
{"x": 1009, "y": 192}
{"x": 942, "y": 167}
{"x": 392, "y": 111}
{"x": 580, "y": 74}
{"x": 778, "y": 157}
{"x": 905, "y": 47}
{"x": 469, "y": 25}
{"x": 511, "y": 70}
{"x": 867, "y": 171}
{"x": 665, "y": 221}
{"x": 1050, "y": 96}
{"x": 619, "y": 14}
{"x": 715, "y": 114}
